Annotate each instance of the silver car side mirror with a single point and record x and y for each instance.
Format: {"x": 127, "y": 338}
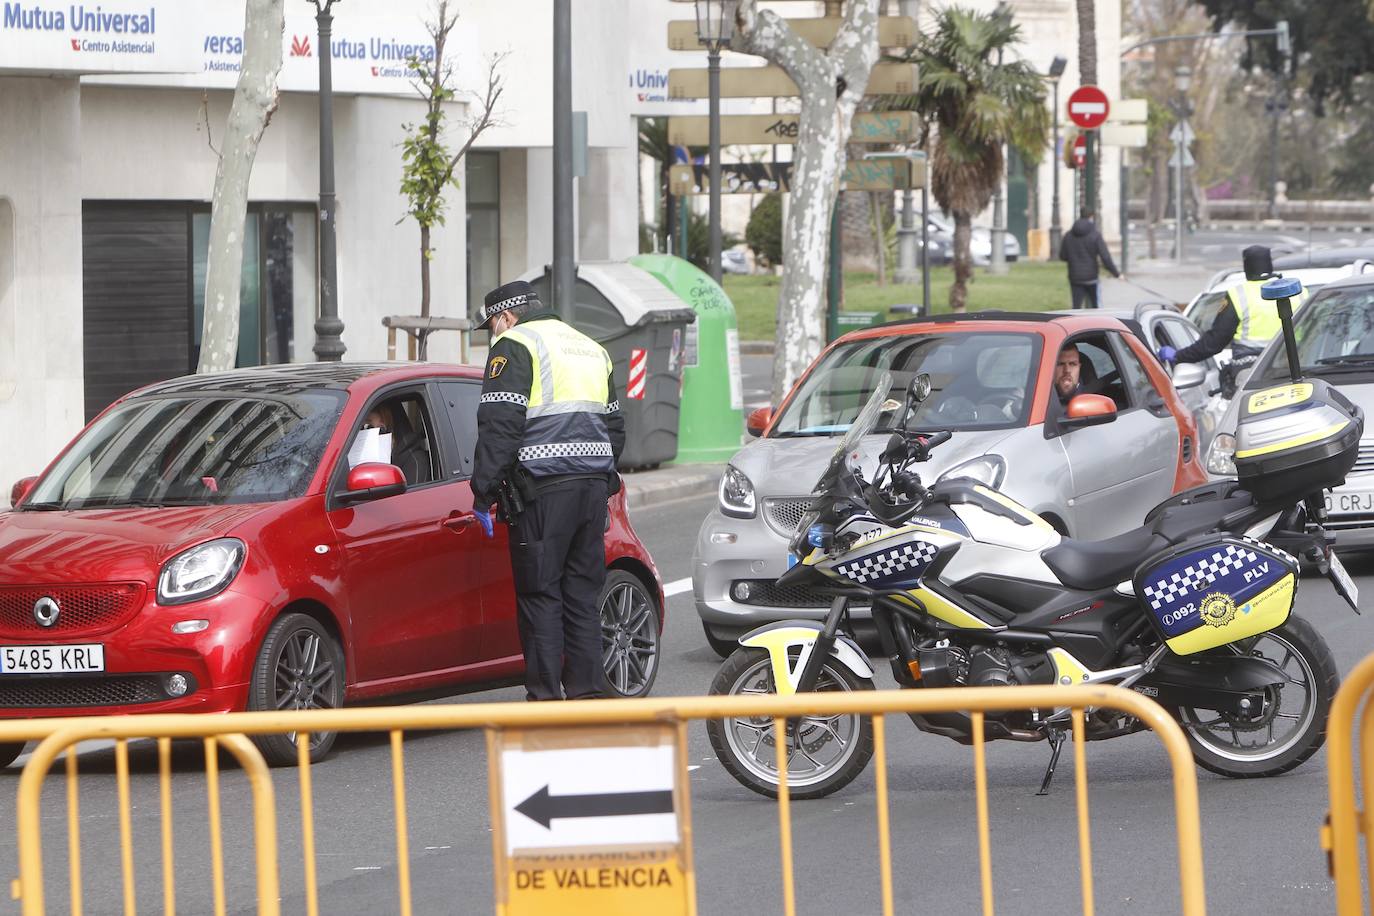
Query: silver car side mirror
{"x": 1189, "y": 375}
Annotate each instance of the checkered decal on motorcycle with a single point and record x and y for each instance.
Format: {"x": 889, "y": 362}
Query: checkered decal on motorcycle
{"x": 915, "y": 556}
{"x": 1199, "y": 576}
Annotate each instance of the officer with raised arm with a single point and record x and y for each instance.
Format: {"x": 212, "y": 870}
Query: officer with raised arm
{"x": 549, "y": 431}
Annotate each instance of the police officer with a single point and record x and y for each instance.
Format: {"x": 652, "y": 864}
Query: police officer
{"x": 549, "y": 431}
{"x": 1247, "y": 323}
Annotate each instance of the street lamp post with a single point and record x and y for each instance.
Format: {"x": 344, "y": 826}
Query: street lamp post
{"x": 997, "y": 257}
{"x": 715, "y": 28}
{"x": 564, "y": 280}
{"x": 1056, "y": 228}
{"x": 329, "y": 345}
{"x": 1183, "y": 79}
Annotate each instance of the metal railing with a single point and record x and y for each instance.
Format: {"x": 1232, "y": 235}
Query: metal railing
{"x": 1346, "y": 821}
{"x": 229, "y": 731}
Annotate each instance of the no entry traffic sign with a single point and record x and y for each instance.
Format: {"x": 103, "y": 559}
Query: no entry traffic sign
{"x": 1088, "y": 107}
{"x": 1080, "y": 150}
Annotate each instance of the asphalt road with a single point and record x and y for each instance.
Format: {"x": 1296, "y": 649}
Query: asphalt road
{"x": 1261, "y": 847}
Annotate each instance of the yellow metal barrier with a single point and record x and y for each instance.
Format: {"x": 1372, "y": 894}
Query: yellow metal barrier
{"x": 228, "y": 731}
{"x": 1346, "y": 821}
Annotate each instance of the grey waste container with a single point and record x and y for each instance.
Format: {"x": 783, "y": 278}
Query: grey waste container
{"x": 642, "y": 324}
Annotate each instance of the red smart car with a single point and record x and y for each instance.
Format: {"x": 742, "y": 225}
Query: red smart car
{"x": 279, "y": 538}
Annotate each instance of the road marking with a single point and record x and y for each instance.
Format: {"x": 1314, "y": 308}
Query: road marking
{"x": 681, "y": 586}
{"x": 367, "y": 868}
{"x": 84, "y": 748}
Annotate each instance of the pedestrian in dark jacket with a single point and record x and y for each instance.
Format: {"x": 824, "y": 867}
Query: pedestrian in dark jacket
{"x": 1082, "y": 248}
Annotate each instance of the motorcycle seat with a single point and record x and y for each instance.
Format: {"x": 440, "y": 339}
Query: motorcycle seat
{"x": 1093, "y": 565}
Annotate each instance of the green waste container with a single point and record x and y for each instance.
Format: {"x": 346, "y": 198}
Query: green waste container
{"x": 711, "y": 426}
{"x": 643, "y": 327}
{"x": 853, "y": 321}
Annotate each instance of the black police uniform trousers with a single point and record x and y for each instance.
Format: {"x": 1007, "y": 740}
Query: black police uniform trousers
{"x": 558, "y": 558}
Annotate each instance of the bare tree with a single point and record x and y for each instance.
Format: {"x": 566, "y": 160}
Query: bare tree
{"x": 429, "y": 165}
{"x": 831, "y": 82}
{"x": 255, "y": 99}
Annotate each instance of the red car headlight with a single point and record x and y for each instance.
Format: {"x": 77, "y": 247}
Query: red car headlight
{"x": 201, "y": 572}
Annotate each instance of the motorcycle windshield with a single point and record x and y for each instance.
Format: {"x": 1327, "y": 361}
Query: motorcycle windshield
{"x": 863, "y": 424}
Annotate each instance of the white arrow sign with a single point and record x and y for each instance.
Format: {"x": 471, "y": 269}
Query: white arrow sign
{"x": 1182, "y": 133}
{"x": 588, "y": 796}
{"x": 1188, "y": 161}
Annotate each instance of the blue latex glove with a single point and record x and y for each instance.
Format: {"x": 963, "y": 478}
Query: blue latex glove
{"x": 1167, "y": 354}
{"x": 484, "y": 517}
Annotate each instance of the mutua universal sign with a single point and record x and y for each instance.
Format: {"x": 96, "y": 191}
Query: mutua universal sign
{"x": 113, "y": 36}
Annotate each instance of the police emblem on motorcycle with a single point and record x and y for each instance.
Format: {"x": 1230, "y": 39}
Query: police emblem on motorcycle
{"x": 1217, "y": 609}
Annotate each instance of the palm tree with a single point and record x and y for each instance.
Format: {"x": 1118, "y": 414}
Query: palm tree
{"x": 1087, "y": 70}
{"x": 653, "y": 142}
{"x": 975, "y": 106}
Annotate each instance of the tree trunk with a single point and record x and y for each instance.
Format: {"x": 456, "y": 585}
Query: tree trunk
{"x": 255, "y": 99}
{"x": 1087, "y": 76}
{"x": 963, "y": 261}
{"x": 422, "y": 351}
{"x": 831, "y": 83}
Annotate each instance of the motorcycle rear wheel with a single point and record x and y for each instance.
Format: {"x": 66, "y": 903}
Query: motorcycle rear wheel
{"x": 1246, "y": 750}
{"x": 832, "y": 750}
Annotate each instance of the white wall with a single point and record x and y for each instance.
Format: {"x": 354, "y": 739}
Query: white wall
{"x": 41, "y": 401}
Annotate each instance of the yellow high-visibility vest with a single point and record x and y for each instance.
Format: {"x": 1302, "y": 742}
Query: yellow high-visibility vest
{"x": 565, "y": 419}
{"x": 1259, "y": 317}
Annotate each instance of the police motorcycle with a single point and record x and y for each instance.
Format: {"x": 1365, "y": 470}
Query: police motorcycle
{"x": 968, "y": 588}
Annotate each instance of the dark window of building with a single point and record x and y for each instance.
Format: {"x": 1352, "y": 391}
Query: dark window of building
{"x": 483, "y": 191}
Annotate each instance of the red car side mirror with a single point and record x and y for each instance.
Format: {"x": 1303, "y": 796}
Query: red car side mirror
{"x": 758, "y": 421}
{"x": 21, "y": 489}
{"x": 372, "y": 481}
{"x": 1089, "y": 410}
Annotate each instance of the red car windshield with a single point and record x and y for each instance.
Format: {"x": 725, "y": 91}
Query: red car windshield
{"x": 195, "y": 450}
{"x": 979, "y": 380}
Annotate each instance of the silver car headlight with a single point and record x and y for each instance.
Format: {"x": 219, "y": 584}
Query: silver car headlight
{"x": 986, "y": 469}
{"x": 201, "y": 572}
{"x": 1221, "y": 455}
{"x": 737, "y": 494}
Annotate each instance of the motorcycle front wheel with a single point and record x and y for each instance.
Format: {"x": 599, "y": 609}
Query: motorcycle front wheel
{"x": 1293, "y": 725}
{"x": 824, "y": 753}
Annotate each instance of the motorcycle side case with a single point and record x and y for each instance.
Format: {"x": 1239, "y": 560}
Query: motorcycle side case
{"x": 1295, "y": 440}
{"x": 1210, "y": 591}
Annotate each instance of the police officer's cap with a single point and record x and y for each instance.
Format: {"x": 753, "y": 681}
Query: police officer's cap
{"x": 511, "y": 295}
{"x": 1258, "y": 263}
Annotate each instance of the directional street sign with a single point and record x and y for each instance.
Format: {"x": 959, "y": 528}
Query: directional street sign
{"x": 893, "y": 32}
{"x": 1088, "y": 107}
{"x": 780, "y": 129}
{"x": 762, "y": 177}
{"x": 1188, "y": 160}
{"x": 590, "y": 820}
{"x": 1124, "y": 135}
{"x": 1130, "y": 111}
{"x": 1182, "y": 133}
{"x": 763, "y": 82}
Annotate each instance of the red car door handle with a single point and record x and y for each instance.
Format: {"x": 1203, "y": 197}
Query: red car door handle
{"x": 459, "y": 522}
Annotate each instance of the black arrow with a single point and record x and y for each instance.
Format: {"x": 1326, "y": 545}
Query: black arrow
{"x": 542, "y": 808}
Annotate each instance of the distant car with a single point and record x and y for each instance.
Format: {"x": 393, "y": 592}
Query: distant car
{"x": 734, "y": 261}
{"x": 980, "y": 241}
{"x": 993, "y": 387}
{"x": 1335, "y": 336}
{"x": 280, "y": 538}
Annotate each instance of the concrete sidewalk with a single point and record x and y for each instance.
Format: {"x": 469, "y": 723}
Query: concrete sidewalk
{"x": 1167, "y": 281}
{"x": 670, "y": 483}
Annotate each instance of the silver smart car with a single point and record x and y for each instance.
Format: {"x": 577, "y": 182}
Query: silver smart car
{"x": 993, "y": 386}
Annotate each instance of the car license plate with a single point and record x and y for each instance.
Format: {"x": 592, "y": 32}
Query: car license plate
{"x": 52, "y": 659}
{"x": 1341, "y": 579}
{"x": 1343, "y": 502}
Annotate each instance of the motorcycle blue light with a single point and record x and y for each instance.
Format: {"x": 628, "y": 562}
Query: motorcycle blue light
{"x": 819, "y": 536}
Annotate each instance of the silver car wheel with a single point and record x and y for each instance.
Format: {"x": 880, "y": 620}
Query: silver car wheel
{"x": 629, "y": 639}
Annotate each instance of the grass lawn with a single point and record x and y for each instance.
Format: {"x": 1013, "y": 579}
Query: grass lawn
{"x": 1028, "y": 287}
